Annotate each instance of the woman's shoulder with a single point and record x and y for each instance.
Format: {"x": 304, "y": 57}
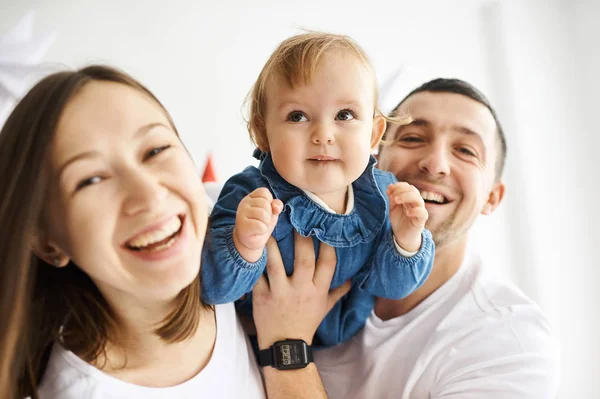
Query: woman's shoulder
{"x": 67, "y": 376}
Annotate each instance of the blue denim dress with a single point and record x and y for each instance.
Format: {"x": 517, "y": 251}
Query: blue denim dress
{"x": 363, "y": 241}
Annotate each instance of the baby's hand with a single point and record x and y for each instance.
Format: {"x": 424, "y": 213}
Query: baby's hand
{"x": 407, "y": 215}
{"x": 255, "y": 220}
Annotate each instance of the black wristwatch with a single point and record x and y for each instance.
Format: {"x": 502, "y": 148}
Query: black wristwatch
{"x": 289, "y": 354}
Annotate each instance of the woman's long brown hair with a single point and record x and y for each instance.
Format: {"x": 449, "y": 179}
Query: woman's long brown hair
{"x": 36, "y": 299}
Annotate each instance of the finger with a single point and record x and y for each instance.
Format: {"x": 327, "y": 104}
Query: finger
{"x": 259, "y": 214}
{"x": 325, "y": 266}
{"x": 337, "y": 293}
{"x": 276, "y": 206}
{"x": 398, "y": 187}
{"x": 418, "y": 213}
{"x": 261, "y": 192}
{"x": 304, "y": 258}
{"x": 409, "y": 198}
{"x": 275, "y": 269}
{"x": 262, "y": 203}
{"x": 261, "y": 287}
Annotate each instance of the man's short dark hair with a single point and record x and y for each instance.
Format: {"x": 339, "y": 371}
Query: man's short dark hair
{"x": 458, "y": 86}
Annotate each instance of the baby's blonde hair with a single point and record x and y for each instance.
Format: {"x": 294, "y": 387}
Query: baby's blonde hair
{"x": 295, "y": 60}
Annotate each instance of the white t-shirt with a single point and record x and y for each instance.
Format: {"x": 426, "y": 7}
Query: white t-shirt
{"x": 231, "y": 372}
{"x": 474, "y": 337}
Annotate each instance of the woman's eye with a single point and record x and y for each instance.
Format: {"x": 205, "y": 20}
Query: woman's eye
{"x": 297, "y": 116}
{"x": 155, "y": 151}
{"x": 88, "y": 182}
{"x": 345, "y": 115}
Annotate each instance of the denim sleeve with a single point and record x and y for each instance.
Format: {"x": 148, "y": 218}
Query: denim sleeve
{"x": 391, "y": 275}
{"x": 225, "y": 275}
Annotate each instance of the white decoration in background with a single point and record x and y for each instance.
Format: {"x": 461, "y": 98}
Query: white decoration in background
{"x": 402, "y": 81}
{"x": 20, "y": 56}
{"x": 387, "y": 92}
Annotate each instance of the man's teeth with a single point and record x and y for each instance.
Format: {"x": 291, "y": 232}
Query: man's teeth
{"x": 157, "y": 235}
{"x": 435, "y": 197}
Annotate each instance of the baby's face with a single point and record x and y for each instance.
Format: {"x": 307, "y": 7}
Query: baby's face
{"x": 321, "y": 134}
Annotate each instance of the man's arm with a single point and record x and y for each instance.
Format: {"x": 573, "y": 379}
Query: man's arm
{"x": 292, "y": 308}
{"x": 294, "y": 384}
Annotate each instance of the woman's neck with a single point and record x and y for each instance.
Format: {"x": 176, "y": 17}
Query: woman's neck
{"x": 141, "y": 357}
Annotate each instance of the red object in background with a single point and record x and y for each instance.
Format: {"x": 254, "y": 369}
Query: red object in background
{"x": 209, "y": 171}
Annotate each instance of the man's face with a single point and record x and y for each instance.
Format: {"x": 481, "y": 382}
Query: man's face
{"x": 449, "y": 153}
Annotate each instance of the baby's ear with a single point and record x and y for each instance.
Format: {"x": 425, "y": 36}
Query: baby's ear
{"x": 379, "y": 125}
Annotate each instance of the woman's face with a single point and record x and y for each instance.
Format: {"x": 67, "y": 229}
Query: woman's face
{"x": 127, "y": 205}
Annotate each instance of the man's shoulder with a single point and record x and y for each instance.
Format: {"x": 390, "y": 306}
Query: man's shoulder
{"x": 495, "y": 317}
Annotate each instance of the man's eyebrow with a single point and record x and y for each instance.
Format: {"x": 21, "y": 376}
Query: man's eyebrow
{"x": 415, "y": 122}
{"x": 420, "y": 122}
{"x": 465, "y": 130}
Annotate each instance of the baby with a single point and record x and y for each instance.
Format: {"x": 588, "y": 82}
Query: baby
{"x": 315, "y": 121}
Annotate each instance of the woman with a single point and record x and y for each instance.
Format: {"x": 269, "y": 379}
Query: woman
{"x": 96, "y": 183}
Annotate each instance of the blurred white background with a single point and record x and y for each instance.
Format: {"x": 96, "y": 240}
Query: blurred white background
{"x": 538, "y": 61}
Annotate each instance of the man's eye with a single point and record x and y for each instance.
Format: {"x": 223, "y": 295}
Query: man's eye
{"x": 411, "y": 139}
{"x": 466, "y": 151}
{"x": 297, "y": 116}
{"x": 88, "y": 182}
{"x": 155, "y": 151}
{"x": 345, "y": 115}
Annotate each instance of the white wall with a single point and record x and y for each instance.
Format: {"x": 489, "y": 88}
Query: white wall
{"x": 546, "y": 87}
{"x": 202, "y": 57}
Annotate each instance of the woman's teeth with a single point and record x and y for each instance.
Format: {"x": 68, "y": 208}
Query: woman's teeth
{"x": 158, "y": 239}
{"x": 435, "y": 197}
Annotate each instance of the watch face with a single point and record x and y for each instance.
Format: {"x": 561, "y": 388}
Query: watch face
{"x": 290, "y": 355}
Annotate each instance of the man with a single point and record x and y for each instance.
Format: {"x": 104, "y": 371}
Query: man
{"x": 460, "y": 335}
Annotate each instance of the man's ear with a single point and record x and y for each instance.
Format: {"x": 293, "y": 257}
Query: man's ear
{"x": 494, "y": 198}
{"x": 379, "y": 125}
{"x": 48, "y": 251}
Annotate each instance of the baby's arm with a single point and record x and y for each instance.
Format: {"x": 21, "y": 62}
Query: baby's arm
{"x": 256, "y": 218}
{"x": 390, "y": 274}
{"x": 407, "y": 215}
{"x": 228, "y": 272}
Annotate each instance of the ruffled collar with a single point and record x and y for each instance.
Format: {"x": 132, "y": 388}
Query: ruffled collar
{"x": 359, "y": 226}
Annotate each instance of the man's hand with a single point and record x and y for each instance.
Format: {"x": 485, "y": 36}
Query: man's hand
{"x": 294, "y": 306}
{"x": 255, "y": 220}
{"x": 407, "y": 215}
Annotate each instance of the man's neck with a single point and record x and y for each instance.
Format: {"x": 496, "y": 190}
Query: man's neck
{"x": 447, "y": 262}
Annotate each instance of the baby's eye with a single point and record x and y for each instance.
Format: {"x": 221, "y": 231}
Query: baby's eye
{"x": 345, "y": 115}
{"x": 297, "y": 116}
